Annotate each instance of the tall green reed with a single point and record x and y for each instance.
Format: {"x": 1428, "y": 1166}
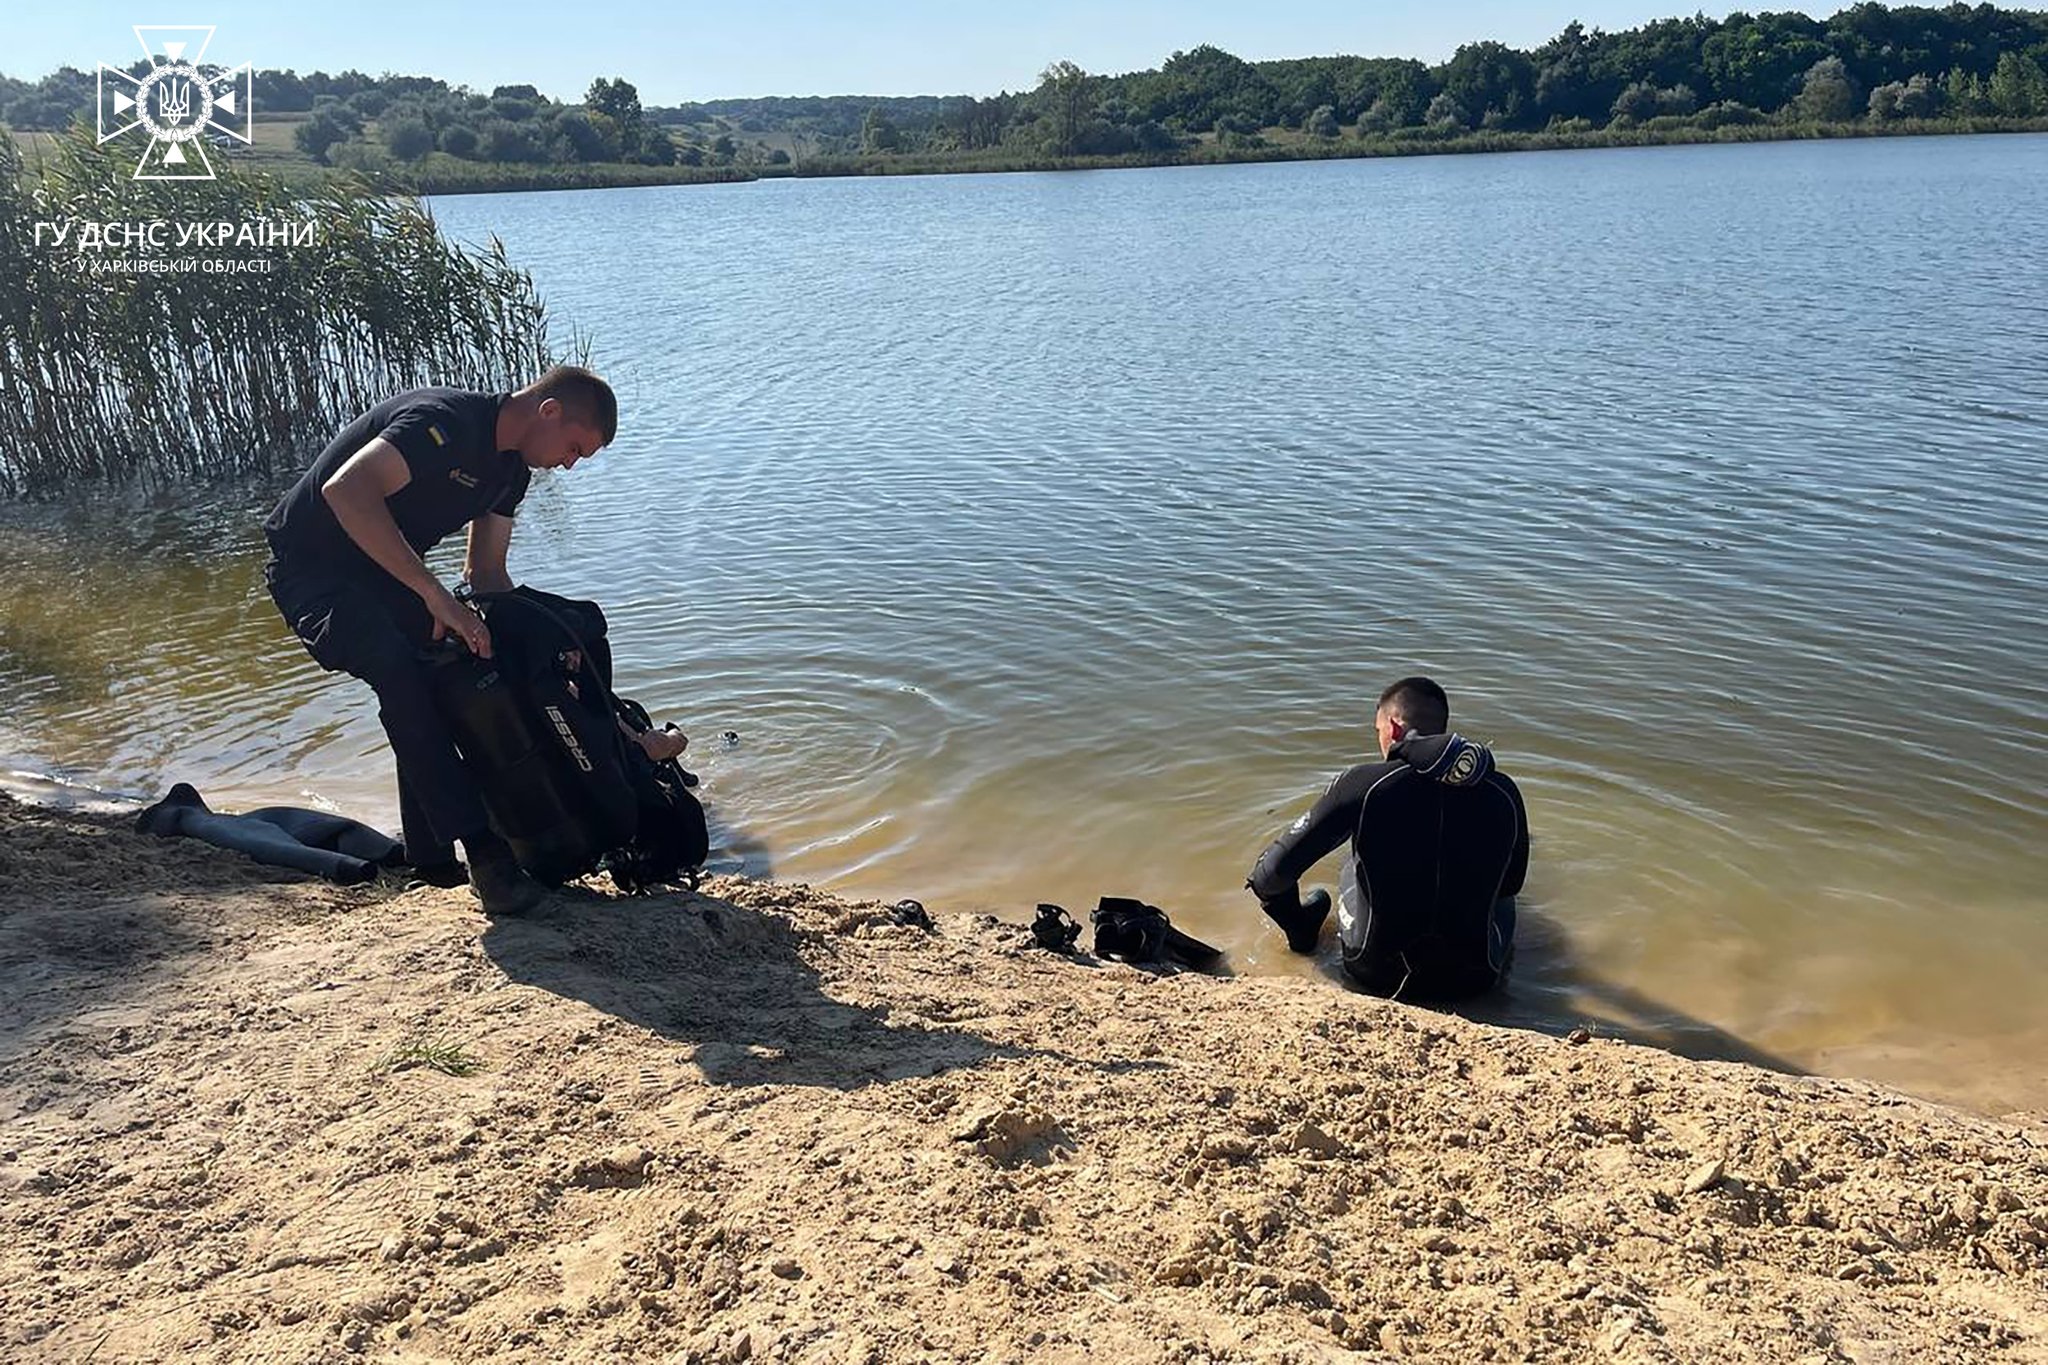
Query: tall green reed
{"x": 112, "y": 375}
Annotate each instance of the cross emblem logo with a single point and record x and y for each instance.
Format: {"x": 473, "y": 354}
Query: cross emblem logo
{"x": 178, "y": 102}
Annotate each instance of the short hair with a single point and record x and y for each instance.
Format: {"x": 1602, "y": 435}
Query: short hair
{"x": 1419, "y": 704}
{"x": 588, "y": 398}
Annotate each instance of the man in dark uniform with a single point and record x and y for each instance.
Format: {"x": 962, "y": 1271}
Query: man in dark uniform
{"x": 347, "y": 575}
{"x": 1439, "y": 847}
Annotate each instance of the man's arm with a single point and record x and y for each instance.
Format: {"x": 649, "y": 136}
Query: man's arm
{"x": 1333, "y": 819}
{"x": 357, "y": 493}
{"x": 1518, "y": 860}
{"x": 490, "y": 541}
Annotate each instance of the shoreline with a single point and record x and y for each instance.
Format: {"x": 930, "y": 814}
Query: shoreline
{"x": 1974, "y": 1074}
{"x": 462, "y": 178}
{"x": 249, "y": 1116}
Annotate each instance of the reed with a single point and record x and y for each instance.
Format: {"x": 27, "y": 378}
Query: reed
{"x": 111, "y": 375}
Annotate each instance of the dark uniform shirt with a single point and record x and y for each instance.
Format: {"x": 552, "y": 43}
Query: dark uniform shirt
{"x": 449, "y": 440}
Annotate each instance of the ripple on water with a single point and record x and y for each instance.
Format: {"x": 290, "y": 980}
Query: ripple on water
{"x": 1049, "y": 536}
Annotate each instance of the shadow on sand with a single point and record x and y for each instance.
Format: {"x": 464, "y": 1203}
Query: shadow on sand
{"x": 729, "y": 980}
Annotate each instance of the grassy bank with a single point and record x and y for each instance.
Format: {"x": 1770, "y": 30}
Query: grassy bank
{"x": 440, "y": 174}
{"x": 274, "y": 152}
{"x": 1292, "y": 145}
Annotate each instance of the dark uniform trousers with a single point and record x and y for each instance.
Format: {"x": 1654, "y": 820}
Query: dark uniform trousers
{"x": 368, "y": 624}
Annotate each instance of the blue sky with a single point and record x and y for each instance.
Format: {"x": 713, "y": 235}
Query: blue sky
{"x": 675, "y": 52}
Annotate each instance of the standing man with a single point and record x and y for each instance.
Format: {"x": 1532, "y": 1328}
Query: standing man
{"x": 1439, "y": 847}
{"x": 346, "y": 573}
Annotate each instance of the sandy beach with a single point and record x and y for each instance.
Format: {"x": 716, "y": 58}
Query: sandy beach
{"x": 246, "y": 1116}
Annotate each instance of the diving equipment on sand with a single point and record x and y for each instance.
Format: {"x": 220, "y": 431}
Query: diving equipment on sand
{"x": 1133, "y": 931}
{"x": 319, "y": 842}
{"x": 1054, "y": 929}
{"x": 539, "y": 728}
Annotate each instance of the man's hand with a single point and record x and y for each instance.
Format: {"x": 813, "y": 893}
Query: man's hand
{"x": 662, "y": 745}
{"x": 453, "y": 618}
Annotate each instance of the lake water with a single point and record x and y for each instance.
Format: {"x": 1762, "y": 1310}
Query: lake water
{"x": 1049, "y": 536}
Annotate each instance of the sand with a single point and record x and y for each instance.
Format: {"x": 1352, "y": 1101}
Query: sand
{"x": 245, "y": 1116}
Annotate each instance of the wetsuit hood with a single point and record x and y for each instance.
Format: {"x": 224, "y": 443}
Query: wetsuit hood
{"x": 1450, "y": 759}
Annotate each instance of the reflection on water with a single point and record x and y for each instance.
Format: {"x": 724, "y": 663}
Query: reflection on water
{"x": 1044, "y": 537}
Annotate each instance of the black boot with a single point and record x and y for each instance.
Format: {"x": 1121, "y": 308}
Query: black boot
{"x": 497, "y": 880}
{"x": 1301, "y": 920}
{"x": 445, "y": 874}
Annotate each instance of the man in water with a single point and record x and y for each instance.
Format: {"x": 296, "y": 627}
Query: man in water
{"x": 346, "y": 573}
{"x": 1439, "y": 846}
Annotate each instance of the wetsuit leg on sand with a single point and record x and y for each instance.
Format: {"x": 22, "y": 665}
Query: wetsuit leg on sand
{"x": 369, "y": 625}
{"x": 335, "y": 833}
{"x": 185, "y": 812}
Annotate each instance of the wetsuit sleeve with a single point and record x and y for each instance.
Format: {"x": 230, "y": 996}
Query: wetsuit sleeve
{"x": 1328, "y": 823}
{"x": 1518, "y": 861}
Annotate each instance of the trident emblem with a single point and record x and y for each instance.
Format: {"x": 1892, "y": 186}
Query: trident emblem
{"x": 177, "y": 101}
{"x": 174, "y": 99}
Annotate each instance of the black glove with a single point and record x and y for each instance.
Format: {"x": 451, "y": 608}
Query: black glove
{"x": 1301, "y": 920}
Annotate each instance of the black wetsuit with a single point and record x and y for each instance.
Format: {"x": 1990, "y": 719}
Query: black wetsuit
{"x": 1439, "y": 847}
{"x": 353, "y": 617}
{"x": 325, "y": 844}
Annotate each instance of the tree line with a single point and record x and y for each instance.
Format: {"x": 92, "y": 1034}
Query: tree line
{"x": 1867, "y": 63}
{"x": 360, "y": 122}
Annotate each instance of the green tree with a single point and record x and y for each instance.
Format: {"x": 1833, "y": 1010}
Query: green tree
{"x": 460, "y": 140}
{"x": 1827, "y": 95}
{"x": 1918, "y": 99}
{"x": 321, "y": 134}
{"x": 1321, "y": 123}
{"x": 504, "y": 140}
{"x": 1902, "y": 99}
{"x": 2019, "y": 88}
{"x": 619, "y": 101}
{"x": 1447, "y": 113}
{"x": 408, "y": 139}
{"x": 1963, "y": 94}
{"x": 370, "y": 103}
{"x": 1759, "y": 61}
{"x": 1636, "y": 103}
{"x": 1405, "y": 94}
{"x": 588, "y": 135}
{"x": 1676, "y": 101}
{"x": 1492, "y": 78}
{"x": 877, "y": 133}
{"x": 1567, "y": 85}
{"x": 281, "y": 92}
{"x": 1727, "y": 114}
{"x": 1069, "y": 99}
{"x": 657, "y": 148}
{"x": 614, "y": 104}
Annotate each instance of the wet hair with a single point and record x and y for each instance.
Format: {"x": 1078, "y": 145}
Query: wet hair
{"x": 587, "y": 398}
{"x": 1419, "y": 704}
